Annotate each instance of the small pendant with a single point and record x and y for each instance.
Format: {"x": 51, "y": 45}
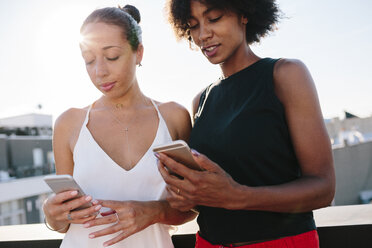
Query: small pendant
{"x": 126, "y": 129}
{"x": 119, "y": 106}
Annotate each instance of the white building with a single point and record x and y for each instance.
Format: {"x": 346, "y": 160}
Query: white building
{"x": 21, "y": 200}
{"x": 27, "y": 120}
{"x": 25, "y": 155}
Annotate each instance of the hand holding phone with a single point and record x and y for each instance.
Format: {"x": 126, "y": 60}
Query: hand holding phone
{"x": 179, "y": 151}
{"x": 62, "y": 183}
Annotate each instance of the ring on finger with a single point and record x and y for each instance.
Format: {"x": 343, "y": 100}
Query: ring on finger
{"x": 69, "y": 216}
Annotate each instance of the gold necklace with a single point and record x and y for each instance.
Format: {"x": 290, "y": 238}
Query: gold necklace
{"x": 126, "y": 129}
{"x": 119, "y": 106}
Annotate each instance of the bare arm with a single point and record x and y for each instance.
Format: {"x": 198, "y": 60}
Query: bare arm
{"x": 62, "y": 147}
{"x": 314, "y": 189}
{"x": 296, "y": 90}
{"x": 54, "y": 207}
{"x": 178, "y": 118}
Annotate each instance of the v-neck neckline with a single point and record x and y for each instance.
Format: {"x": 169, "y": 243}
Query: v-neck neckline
{"x": 110, "y": 158}
{"x": 113, "y": 161}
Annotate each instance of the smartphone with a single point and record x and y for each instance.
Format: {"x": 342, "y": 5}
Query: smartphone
{"x": 180, "y": 152}
{"x": 61, "y": 183}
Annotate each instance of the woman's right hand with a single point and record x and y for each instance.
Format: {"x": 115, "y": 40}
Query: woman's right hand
{"x": 211, "y": 187}
{"x": 59, "y": 210}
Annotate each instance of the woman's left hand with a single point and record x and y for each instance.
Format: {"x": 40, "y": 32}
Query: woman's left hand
{"x": 212, "y": 187}
{"x": 129, "y": 217}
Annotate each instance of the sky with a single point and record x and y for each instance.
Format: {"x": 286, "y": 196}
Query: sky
{"x": 41, "y": 64}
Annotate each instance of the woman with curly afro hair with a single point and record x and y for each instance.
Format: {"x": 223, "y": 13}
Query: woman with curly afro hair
{"x": 258, "y": 134}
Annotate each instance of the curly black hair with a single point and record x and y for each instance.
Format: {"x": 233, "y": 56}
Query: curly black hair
{"x": 262, "y": 15}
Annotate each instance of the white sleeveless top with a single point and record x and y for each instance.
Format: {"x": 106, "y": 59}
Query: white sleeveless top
{"x": 102, "y": 178}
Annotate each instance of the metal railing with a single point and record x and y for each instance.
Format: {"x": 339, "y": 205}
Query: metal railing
{"x": 338, "y": 227}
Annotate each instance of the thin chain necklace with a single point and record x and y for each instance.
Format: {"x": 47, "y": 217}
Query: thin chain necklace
{"x": 126, "y": 129}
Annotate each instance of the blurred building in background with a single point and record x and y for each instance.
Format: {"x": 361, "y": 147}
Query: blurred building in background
{"x": 25, "y": 155}
{"x": 349, "y": 131}
{"x": 351, "y": 140}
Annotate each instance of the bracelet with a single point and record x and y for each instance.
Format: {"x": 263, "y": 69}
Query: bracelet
{"x": 50, "y": 228}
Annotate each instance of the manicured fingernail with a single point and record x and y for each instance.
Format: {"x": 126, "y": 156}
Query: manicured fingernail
{"x": 88, "y": 198}
{"x": 98, "y": 207}
{"x": 91, "y": 236}
{"x": 86, "y": 225}
{"x": 74, "y": 192}
{"x": 95, "y": 202}
{"x": 157, "y": 154}
{"x": 195, "y": 153}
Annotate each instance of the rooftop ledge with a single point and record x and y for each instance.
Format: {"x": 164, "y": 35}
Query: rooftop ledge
{"x": 338, "y": 226}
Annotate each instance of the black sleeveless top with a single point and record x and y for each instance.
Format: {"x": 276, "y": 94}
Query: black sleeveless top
{"x": 241, "y": 125}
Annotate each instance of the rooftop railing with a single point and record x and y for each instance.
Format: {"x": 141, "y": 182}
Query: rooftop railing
{"x": 338, "y": 227}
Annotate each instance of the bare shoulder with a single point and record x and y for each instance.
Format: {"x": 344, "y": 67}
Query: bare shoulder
{"x": 70, "y": 118}
{"x": 177, "y": 118}
{"x": 172, "y": 111}
{"x": 292, "y": 78}
{"x": 288, "y": 71}
{"x": 67, "y": 126}
{"x": 171, "y": 106}
{"x": 65, "y": 133}
{"x": 286, "y": 63}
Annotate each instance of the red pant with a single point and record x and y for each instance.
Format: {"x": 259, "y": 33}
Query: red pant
{"x": 304, "y": 240}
